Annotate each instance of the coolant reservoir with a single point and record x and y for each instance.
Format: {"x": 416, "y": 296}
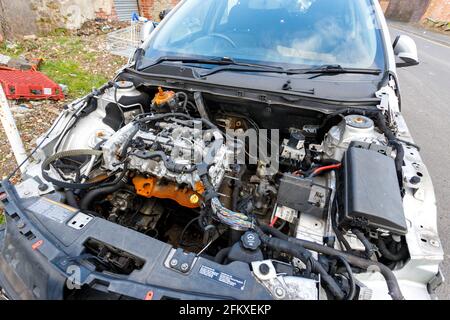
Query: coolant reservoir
{"x": 352, "y": 128}
{"x": 164, "y": 101}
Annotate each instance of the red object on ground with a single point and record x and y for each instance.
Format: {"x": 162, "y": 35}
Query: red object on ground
{"x": 28, "y": 85}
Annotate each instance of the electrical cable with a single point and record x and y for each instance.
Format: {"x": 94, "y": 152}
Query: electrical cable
{"x": 351, "y": 277}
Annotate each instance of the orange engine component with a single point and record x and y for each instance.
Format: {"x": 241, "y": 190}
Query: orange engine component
{"x": 149, "y": 187}
{"x": 163, "y": 97}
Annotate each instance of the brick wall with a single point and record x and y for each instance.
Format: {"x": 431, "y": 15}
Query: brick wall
{"x": 406, "y": 10}
{"x": 384, "y": 4}
{"x": 416, "y": 10}
{"x": 438, "y": 10}
{"x": 151, "y": 8}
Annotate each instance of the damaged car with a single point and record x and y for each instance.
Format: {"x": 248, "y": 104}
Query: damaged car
{"x": 249, "y": 150}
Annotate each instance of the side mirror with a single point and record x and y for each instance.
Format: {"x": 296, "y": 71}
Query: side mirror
{"x": 405, "y": 49}
{"x": 164, "y": 13}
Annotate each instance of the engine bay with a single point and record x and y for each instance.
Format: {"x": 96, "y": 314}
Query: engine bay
{"x": 230, "y": 181}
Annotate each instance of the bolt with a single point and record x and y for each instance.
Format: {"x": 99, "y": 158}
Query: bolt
{"x": 264, "y": 269}
{"x": 173, "y": 262}
{"x": 279, "y": 292}
{"x": 184, "y": 267}
{"x": 434, "y": 243}
{"x": 194, "y": 199}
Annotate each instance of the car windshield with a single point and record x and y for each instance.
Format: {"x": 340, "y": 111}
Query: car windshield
{"x": 287, "y": 33}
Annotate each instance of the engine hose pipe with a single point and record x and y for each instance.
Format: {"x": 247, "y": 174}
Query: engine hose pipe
{"x": 222, "y": 255}
{"x": 394, "y": 257}
{"x": 391, "y": 280}
{"x": 70, "y": 199}
{"x": 185, "y": 100}
{"x": 306, "y": 257}
{"x": 89, "y": 198}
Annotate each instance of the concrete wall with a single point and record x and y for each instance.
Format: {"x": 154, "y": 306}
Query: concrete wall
{"x": 23, "y": 17}
{"x": 70, "y": 14}
{"x": 16, "y": 17}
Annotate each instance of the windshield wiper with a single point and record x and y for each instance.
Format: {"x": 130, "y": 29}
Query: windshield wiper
{"x": 182, "y": 59}
{"x": 223, "y": 63}
{"x": 220, "y": 61}
{"x": 321, "y": 70}
{"x": 229, "y": 64}
{"x": 330, "y": 69}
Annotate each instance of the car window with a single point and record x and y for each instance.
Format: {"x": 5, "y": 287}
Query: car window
{"x": 279, "y": 32}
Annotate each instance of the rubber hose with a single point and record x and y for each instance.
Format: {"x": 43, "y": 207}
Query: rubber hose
{"x": 94, "y": 194}
{"x": 221, "y": 255}
{"x": 395, "y": 257}
{"x": 71, "y": 200}
{"x": 391, "y": 280}
{"x": 351, "y": 278}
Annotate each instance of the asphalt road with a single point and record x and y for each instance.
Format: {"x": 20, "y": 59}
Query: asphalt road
{"x": 425, "y": 93}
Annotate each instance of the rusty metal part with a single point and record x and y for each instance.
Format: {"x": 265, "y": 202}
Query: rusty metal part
{"x": 186, "y": 197}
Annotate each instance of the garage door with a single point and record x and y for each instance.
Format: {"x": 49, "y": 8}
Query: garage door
{"x": 126, "y": 8}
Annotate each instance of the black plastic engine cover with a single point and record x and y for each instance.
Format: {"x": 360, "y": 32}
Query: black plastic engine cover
{"x": 371, "y": 196}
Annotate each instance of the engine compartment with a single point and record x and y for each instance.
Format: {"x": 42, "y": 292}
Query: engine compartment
{"x": 230, "y": 181}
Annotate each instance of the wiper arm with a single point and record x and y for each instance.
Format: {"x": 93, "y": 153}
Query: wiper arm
{"x": 333, "y": 69}
{"x": 322, "y": 70}
{"x": 183, "y": 59}
{"x": 221, "y": 61}
{"x": 232, "y": 65}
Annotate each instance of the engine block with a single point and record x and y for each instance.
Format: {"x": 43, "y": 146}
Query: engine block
{"x": 170, "y": 150}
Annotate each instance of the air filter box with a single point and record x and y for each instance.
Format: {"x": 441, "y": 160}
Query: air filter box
{"x": 370, "y": 195}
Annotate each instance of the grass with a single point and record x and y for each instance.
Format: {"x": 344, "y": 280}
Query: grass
{"x": 2, "y": 217}
{"x": 71, "y": 74}
{"x": 13, "y": 52}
